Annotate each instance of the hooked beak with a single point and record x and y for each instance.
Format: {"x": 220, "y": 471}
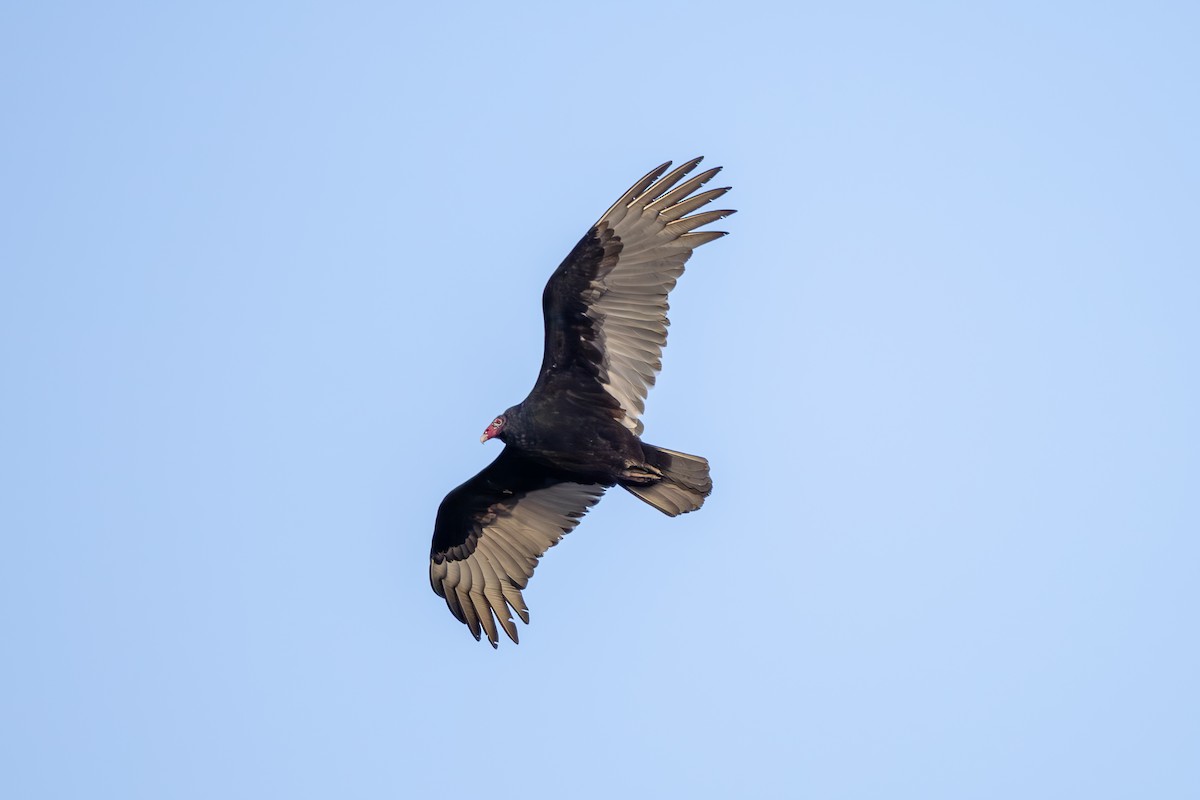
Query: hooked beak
{"x": 492, "y": 431}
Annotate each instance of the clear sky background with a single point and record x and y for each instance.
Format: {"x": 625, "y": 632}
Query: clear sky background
{"x": 268, "y": 271}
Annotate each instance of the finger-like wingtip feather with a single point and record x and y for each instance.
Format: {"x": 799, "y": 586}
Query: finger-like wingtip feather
{"x": 638, "y": 188}
{"x": 690, "y": 204}
{"x": 686, "y": 224}
{"x": 662, "y": 186}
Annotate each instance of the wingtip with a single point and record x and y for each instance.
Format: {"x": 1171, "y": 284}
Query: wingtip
{"x": 688, "y": 166}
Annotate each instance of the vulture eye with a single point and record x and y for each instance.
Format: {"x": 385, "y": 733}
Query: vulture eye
{"x": 498, "y": 421}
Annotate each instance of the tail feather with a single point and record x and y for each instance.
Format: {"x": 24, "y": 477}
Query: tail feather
{"x": 684, "y": 485}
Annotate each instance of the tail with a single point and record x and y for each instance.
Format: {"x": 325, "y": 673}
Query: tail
{"x": 684, "y": 484}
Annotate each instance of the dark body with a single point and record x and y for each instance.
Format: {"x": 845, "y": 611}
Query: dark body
{"x": 589, "y": 446}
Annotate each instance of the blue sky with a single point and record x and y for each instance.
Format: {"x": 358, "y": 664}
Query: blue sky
{"x": 267, "y": 273}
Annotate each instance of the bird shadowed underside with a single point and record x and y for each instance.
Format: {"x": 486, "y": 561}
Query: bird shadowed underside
{"x": 578, "y": 431}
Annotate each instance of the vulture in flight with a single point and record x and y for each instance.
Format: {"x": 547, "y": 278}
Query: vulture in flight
{"x": 578, "y": 432}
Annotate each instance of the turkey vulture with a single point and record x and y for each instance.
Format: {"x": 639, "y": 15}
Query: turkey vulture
{"x": 577, "y": 433}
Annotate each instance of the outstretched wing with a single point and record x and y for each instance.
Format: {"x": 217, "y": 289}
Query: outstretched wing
{"x": 490, "y": 533}
{"x": 606, "y": 304}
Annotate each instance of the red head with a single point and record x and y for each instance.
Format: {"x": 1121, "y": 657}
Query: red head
{"x": 493, "y": 430}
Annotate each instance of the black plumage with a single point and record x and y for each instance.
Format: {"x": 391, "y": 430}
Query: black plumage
{"x": 578, "y": 432}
